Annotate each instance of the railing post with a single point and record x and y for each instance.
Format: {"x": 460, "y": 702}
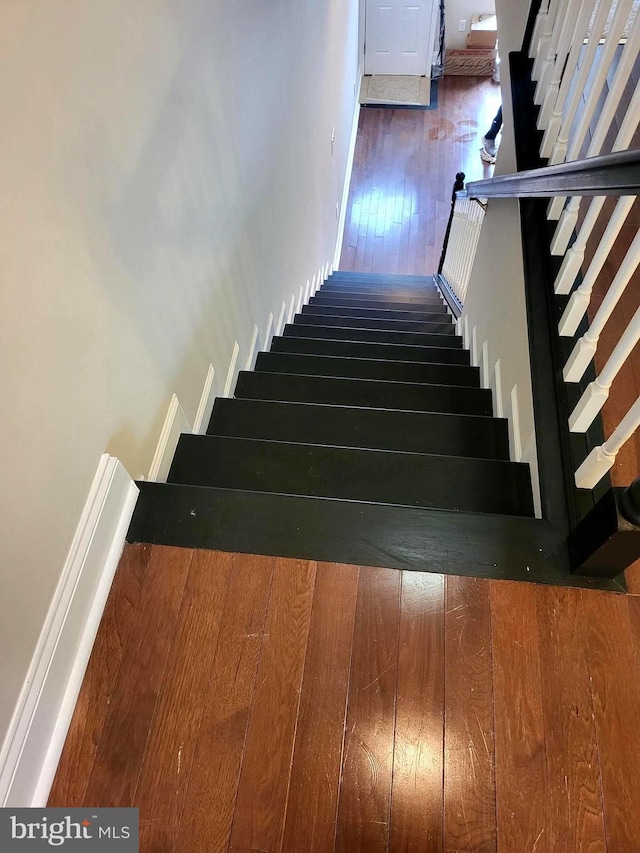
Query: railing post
{"x": 457, "y": 186}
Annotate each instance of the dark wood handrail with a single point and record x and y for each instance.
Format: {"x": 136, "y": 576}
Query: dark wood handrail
{"x": 609, "y": 174}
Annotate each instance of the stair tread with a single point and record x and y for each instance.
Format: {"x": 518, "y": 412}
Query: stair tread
{"x": 381, "y": 476}
{"x": 348, "y": 333}
{"x": 368, "y": 368}
{"x": 364, "y": 393}
{"x": 385, "y": 297}
{"x": 361, "y": 302}
{"x": 406, "y": 538}
{"x": 378, "y": 350}
{"x": 435, "y": 316}
{"x": 380, "y": 278}
{"x": 318, "y": 423}
{"x": 442, "y": 327}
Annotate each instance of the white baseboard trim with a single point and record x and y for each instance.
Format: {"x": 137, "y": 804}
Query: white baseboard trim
{"x": 33, "y": 745}
{"x": 232, "y": 372}
{"x": 207, "y": 399}
{"x": 268, "y": 335}
{"x": 347, "y": 181}
{"x": 175, "y": 423}
{"x": 253, "y": 349}
{"x": 292, "y": 308}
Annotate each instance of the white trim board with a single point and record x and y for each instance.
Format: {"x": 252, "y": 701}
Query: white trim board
{"x": 347, "y": 180}
{"x": 33, "y": 744}
{"x": 232, "y": 372}
{"x": 175, "y": 423}
{"x": 253, "y": 349}
{"x": 207, "y": 399}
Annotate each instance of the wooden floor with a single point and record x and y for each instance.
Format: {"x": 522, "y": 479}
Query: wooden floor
{"x": 262, "y": 704}
{"x": 404, "y": 168}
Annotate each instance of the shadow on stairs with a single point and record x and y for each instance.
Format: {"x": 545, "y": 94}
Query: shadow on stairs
{"x": 362, "y": 437}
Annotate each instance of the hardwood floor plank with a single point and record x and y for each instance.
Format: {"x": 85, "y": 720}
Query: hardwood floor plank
{"x": 365, "y": 793}
{"x": 615, "y": 682}
{"x": 164, "y": 780}
{"x": 469, "y": 819}
{"x": 317, "y": 759}
{"x": 522, "y": 793}
{"x": 573, "y": 775}
{"x": 205, "y": 826}
{"x": 83, "y": 737}
{"x": 124, "y": 737}
{"x": 417, "y": 796}
{"x": 258, "y": 821}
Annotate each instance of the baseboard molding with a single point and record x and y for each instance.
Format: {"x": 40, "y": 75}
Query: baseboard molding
{"x": 232, "y": 372}
{"x": 281, "y": 319}
{"x": 32, "y": 747}
{"x": 253, "y": 349}
{"x": 268, "y": 335}
{"x": 207, "y": 398}
{"x": 175, "y": 423}
{"x": 347, "y": 179}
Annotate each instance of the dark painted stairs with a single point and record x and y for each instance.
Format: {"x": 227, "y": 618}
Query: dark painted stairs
{"x": 363, "y": 437}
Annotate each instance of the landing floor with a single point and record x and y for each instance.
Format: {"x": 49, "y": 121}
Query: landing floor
{"x": 261, "y": 704}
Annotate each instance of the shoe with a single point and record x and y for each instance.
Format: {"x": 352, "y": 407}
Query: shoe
{"x": 488, "y": 151}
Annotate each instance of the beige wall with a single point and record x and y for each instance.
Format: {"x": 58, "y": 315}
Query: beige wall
{"x": 168, "y": 180}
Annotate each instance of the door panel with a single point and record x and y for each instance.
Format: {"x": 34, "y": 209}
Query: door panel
{"x": 398, "y": 37}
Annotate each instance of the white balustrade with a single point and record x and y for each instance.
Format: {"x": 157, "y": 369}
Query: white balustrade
{"x": 556, "y": 137}
{"x": 538, "y": 29}
{"x": 597, "y": 392}
{"x": 577, "y": 306}
{"x": 602, "y": 458}
{"x": 463, "y": 242}
{"x": 549, "y": 40}
{"x": 553, "y": 72}
{"x": 586, "y": 346}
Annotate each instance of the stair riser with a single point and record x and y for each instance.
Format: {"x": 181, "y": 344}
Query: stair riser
{"x": 348, "y": 349}
{"x": 394, "y": 371}
{"x": 381, "y": 279}
{"x": 445, "y": 328}
{"x": 412, "y": 432}
{"x": 363, "y": 393}
{"x": 377, "y": 314}
{"x": 395, "y": 293}
{"x": 404, "y": 479}
{"x": 373, "y": 336}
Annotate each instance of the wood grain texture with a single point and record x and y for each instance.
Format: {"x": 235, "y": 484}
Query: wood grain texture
{"x": 205, "y": 826}
{"x": 571, "y": 748}
{"x": 124, "y": 737}
{"x": 315, "y": 775}
{"x": 615, "y": 684}
{"x": 164, "y": 780}
{"x": 522, "y": 791}
{"x": 469, "y": 782}
{"x": 76, "y": 762}
{"x": 416, "y": 809}
{"x": 365, "y": 794}
{"x": 262, "y": 793}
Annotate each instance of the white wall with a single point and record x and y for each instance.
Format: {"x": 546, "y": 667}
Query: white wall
{"x": 168, "y": 181}
{"x": 495, "y": 302}
{"x": 463, "y": 10}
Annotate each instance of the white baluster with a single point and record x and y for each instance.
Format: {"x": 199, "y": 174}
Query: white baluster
{"x": 564, "y": 72}
{"x": 585, "y": 348}
{"x": 577, "y": 306}
{"x": 555, "y": 69}
{"x": 546, "y": 47}
{"x": 601, "y": 458}
{"x": 596, "y": 393}
{"x": 538, "y": 30}
{"x": 560, "y": 123}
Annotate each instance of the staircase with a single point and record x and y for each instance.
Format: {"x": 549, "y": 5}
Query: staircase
{"x": 363, "y": 437}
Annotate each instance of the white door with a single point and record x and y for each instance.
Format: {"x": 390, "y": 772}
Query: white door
{"x": 399, "y": 37}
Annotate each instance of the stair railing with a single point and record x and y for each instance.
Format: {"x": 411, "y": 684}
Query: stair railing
{"x": 577, "y": 108}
